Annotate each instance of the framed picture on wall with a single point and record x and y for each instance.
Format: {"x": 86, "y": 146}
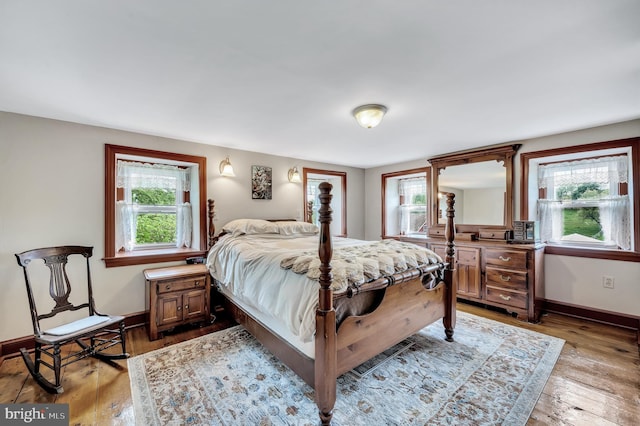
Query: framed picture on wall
{"x": 260, "y": 183}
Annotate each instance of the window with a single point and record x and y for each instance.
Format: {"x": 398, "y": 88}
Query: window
{"x": 404, "y": 202}
{"x": 311, "y": 179}
{"x": 585, "y": 202}
{"x": 154, "y": 206}
{"x": 582, "y": 197}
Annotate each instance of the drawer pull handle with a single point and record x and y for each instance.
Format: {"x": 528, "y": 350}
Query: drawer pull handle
{"x": 168, "y": 287}
{"x": 505, "y": 277}
{"x": 503, "y": 297}
{"x": 179, "y": 308}
{"x": 196, "y": 284}
{"x": 506, "y": 259}
{"x": 186, "y": 307}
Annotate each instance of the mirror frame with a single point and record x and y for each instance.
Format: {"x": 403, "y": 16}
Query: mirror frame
{"x": 502, "y": 154}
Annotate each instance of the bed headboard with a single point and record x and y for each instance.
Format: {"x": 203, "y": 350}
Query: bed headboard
{"x": 211, "y": 228}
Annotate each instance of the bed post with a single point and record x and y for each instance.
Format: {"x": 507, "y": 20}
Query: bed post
{"x": 212, "y": 228}
{"x": 326, "y": 361}
{"x": 449, "y": 320}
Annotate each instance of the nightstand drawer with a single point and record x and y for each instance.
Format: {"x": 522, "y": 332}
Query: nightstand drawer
{"x": 185, "y": 284}
{"x": 506, "y": 278}
{"x": 506, "y": 297}
{"x": 506, "y": 258}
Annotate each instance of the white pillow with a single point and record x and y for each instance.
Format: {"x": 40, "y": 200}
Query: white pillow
{"x": 250, "y": 227}
{"x": 296, "y": 228}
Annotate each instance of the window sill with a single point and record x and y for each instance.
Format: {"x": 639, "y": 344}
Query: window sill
{"x": 592, "y": 253}
{"x": 150, "y": 256}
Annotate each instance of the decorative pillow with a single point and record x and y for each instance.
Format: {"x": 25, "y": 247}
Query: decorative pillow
{"x": 295, "y": 228}
{"x": 250, "y": 227}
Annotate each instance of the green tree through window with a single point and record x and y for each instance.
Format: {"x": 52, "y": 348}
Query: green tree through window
{"x": 155, "y": 228}
{"x": 582, "y": 220}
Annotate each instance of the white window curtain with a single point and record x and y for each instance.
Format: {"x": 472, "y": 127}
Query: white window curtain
{"x": 611, "y": 170}
{"x": 615, "y": 211}
{"x": 125, "y": 226}
{"x": 184, "y": 225}
{"x": 312, "y": 194}
{"x": 616, "y": 220}
{"x": 130, "y": 175}
{"x": 409, "y": 188}
{"x": 146, "y": 175}
{"x": 550, "y": 218}
{"x": 405, "y": 222}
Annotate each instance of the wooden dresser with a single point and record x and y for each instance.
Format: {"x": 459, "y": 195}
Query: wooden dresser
{"x": 496, "y": 273}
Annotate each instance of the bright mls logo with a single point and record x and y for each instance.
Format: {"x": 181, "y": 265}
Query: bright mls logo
{"x": 35, "y": 414}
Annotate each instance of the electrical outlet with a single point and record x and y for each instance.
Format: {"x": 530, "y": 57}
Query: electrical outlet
{"x": 607, "y": 282}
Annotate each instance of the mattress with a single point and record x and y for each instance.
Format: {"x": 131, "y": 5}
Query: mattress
{"x": 273, "y": 275}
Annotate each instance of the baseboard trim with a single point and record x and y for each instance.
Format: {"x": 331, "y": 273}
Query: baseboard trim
{"x": 11, "y": 348}
{"x": 598, "y": 315}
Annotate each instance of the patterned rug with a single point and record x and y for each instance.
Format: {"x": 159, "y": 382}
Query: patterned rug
{"x": 492, "y": 374}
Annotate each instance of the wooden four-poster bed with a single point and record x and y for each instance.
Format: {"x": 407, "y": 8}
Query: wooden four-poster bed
{"x": 392, "y": 308}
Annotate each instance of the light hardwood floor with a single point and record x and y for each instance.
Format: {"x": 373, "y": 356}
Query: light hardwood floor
{"x": 596, "y": 380}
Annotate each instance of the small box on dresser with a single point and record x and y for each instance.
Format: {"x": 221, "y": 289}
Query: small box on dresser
{"x": 177, "y": 295}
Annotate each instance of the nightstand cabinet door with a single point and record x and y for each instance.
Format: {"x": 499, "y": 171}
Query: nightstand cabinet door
{"x": 169, "y": 309}
{"x": 194, "y": 304}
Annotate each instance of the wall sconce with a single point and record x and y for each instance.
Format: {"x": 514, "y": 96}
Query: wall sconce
{"x": 294, "y": 175}
{"x": 370, "y": 115}
{"x": 226, "y": 169}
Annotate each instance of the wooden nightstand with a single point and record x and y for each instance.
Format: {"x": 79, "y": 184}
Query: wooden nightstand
{"x": 178, "y": 295}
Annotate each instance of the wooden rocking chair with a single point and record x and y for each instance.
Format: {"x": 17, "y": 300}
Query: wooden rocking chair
{"x": 94, "y": 332}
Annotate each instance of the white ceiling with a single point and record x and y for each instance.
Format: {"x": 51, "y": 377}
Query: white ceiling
{"x": 282, "y": 77}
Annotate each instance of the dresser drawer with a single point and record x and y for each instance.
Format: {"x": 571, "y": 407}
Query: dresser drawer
{"x": 436, "y": 232}
{"x": 506, "y": 258}
{"x": 506, "y": 278}
{"x": 492, "y": 234}
{"x": 184, "y": 284}
{"x": 506, "y": 297}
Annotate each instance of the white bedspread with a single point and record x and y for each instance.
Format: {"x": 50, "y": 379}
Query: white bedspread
{"x": 249, "y": 267}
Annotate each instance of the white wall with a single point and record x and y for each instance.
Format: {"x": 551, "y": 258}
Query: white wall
{"x": 52, "y": 193}
{"x": 571, "y": 280}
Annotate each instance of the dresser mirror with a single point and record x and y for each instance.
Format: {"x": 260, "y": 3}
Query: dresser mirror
{"x": 483, "y": 183}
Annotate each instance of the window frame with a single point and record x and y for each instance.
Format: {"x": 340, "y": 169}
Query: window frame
{"x": 398, "y": 175}
{"x": 138, "y": 257}
{"x": 526, "y": 160}
{"x": 342, "y": 176}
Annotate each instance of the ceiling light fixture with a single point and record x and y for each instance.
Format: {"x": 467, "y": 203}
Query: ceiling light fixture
{"x": 226, "y": 169}
{"x": 370, "y": 115}
{"x": 294, "y": 175}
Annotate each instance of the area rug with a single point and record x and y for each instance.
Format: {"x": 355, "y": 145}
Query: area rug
{"x": 492, "y": 374}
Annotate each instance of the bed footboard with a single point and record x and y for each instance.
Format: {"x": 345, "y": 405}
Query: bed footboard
{"x": 407, "y": 306}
